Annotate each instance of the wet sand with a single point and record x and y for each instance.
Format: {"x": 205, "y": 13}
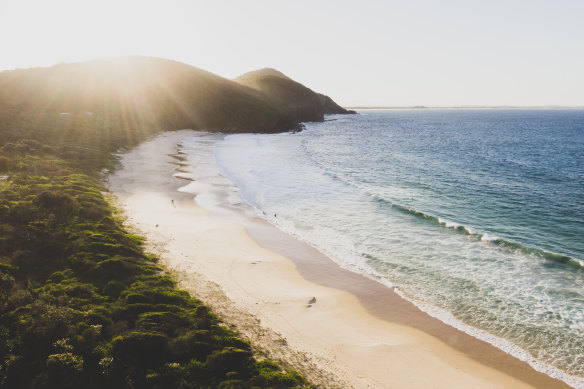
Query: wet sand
{"x": 293, "y": 303}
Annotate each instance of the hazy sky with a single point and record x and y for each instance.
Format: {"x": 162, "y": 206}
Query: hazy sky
{"x": 414, "y": 52}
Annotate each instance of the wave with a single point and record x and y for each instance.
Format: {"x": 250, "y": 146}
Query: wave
{"x": 249, "y": 180}
{"x": 480, "y": 236}
{"x": 465, "y": 230}
{"x": 460, "y": 228}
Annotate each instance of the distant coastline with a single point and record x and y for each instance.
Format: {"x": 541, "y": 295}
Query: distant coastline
{"x": 466, "y": 107}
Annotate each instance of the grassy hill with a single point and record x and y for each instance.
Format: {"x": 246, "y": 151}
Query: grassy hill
{"x": 293, "y": 98}
{"x": 160, "y": 93}
{"x": 81, "y": 303}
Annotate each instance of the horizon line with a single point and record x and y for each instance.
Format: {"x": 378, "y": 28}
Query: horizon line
{"x": 464, "y": 107}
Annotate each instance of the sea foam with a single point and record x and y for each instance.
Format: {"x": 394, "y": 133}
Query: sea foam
{"x": 403, "y": 199}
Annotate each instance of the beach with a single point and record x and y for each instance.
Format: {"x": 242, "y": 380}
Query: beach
{"x": 294, "y": 304}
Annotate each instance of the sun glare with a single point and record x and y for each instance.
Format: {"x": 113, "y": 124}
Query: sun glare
{"x": 384, "y": 53}
{"x": 63, "y": 31}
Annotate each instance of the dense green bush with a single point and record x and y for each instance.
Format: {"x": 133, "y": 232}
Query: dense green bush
{"x": 62, "y": 205}
{"x": 5, "y": 164}
{"x": 81, "y": 304}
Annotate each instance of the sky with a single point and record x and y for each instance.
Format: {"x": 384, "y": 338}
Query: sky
{"x": 365, "y": 53}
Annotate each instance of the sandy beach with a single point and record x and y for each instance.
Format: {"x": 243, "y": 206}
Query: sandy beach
{"x": 295, "y": 305}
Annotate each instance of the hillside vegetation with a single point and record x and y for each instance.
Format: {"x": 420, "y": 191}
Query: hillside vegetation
{"x": 293, "y": 98}
{"x": 81, "y": 303}
{"x": 160, "y": 93}
{"x": 296, "y": 99}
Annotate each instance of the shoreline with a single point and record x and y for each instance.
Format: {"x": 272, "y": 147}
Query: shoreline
{"x": 430, "y": 107}
{"x": 356, "y": 333}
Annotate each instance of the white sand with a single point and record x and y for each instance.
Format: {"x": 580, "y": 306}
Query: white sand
{"x": 357, "y": 334}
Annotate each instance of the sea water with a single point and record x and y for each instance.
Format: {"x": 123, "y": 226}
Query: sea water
{"x": 476, "y": 216}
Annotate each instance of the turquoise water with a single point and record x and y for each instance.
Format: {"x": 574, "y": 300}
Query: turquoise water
{"x": 477, "y": 216}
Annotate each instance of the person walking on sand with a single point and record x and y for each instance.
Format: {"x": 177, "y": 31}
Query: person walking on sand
{"x": 172, "y": 201}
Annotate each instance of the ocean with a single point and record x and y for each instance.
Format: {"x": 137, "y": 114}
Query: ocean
{"x": 474, "y": 215}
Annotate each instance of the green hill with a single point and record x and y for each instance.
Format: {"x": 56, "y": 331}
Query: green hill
{"x": 161, "y": 93}
{"x": 82, "y": 305}
{"x": 293, "y": 100}
{"x": 292, "y": 97}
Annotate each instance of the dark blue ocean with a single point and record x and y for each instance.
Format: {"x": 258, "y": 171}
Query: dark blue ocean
{"x": 475, "y": 215}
